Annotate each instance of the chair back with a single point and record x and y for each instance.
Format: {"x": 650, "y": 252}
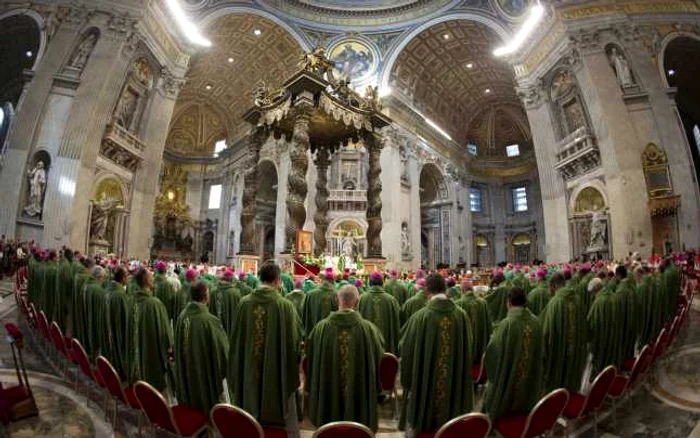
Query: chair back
{"x": 599, "y": 389}
{"x": 111, "y": 378}
{"x": 662, "y": 342}
{"x": 232, "y": 422}
{"x": 388, "y": 368}
{"x": 545, "y": 414}
{"x": 81, "y": 357}
{"x": 657, "y": 343}
{"x": 640, "y": 364}
{"x": 58, "y": 340}
{"x": 44, "y": 325}
{"x": 343, "y": 429}
{"x": 466, "y": 426}
{"x": 155, "y": 407}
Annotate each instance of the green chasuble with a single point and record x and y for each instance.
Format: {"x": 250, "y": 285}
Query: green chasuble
{"x": 496, "y": 299}
{"x": 296, "y": 297}
{"x": 672, "y": 287}
{"x": 179, "y": 300}
{"x": 565, "y": 335}
{"x": 78, "y": 320}
{"x": 263, "y": 366}
{"x": 317, "y": 305}
{"x": 227, "y": 300}
{"x": 413, "y": 305}
{"x": 201, "y": 350}
{"x": 397, "y": 290}
{"x": 95, "y": 311}
{"x": 164, "y": 291}
{"x": 64, "y": 292}
{"x": 383, "y": 310}
{"x": 582, "y": 289}
{"x": 630, "y": 312}
{"x": 39, "y": 299}
{"x": 150, "y": 338}
{"x": 480, "y": 320}
{"x": 605, "y": 331}
{"x": 436, "y": 365}
{"x": 287, "y": 283}
{"x": 242, "y": 287}
{"x": 659, "y": 311}
{"x": 344, "y": 352}
{"x": 50, "y": 282}
{"x": 537, "y": 299}
{"x": 645, "y": 322}
{"x": 116, "y": 321}
{"x": 514, "y": 364}
{"x": 522, "y": 282}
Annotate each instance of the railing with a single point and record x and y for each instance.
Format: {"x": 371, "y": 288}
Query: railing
{"x": 123, "y": 137}
{"x": 348, "y": 195}
{"x": 575, "y": 142}
{"x": 578, "y": 154}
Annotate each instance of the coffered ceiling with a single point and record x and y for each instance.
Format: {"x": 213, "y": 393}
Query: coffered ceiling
{"x": 246, "y": 49}
{"x": 449, "y": 75}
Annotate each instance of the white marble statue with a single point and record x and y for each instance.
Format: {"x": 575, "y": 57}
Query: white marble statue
{"x": 37, "y": 183}
{"x": 349, "y": 247}
{"x": 599, "y": 236}
{"x": 81, "y": 55}
{"x": 101, "y": 211}
{"x": 622, "y": 69}
{"x": 405, "y": 239}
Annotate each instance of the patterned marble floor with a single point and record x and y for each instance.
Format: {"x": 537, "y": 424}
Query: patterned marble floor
{"x": 670, "y": 410}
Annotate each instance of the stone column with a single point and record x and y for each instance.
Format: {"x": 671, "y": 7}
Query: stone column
{"x": 249, "y": 196}
{"x": 322, "y": 162}
{"x": 374, "y": 199}
{"x": 296, "y": 181}
{"x": 283, "y": 168}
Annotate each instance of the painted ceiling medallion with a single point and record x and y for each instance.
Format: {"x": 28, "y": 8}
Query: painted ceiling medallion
{"x": 353, "y": 59}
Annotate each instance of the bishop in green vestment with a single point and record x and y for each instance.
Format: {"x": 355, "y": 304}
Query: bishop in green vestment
{"x": 396, "y": 288}
{"x": 645, "y": 300}
{"x": 538, "y": 299}
{"x": 227, "y": 300}
{"x": 117, "y": 320}
{"x": 78, "y": 321}
{"x": 498, "y": 297}
{"x": 318, "y": 304}
{"x": 479, "y": 318}
{"x": 95, "y": 311}
{"x": 182, "y": 297}
{"x": 514, "y": 361}
{"x": 296, "y": 296}
{"x": 263, "y": 365}
{"x": 415, "y": 303}
{"x": 150, "y": 335}
{"x": 64, "y": 288}
{"x": 50, "y": 282}
{"x": 630, "y": 312}
{"x": 343, "y": 353}
{"x": 604, "y": 328}
{"x": 163, "y": 290}
{"x": 383, "y": 310}
{"x": 201, "y": 352}
{"x": 565, "y": 336}
{"x": 436, "y": 362}
{"x": 671, "y": 288}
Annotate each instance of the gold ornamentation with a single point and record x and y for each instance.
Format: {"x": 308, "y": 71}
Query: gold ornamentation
{"x": 523, "y": 361}
{"x": 260, "y": 325}
{"x": 344, "y": 350}
{"x": 589, "y": 200}
{"x": 629, "y": 8}
{"x": 315, "y": 62}
{"x": 442, "y": 364}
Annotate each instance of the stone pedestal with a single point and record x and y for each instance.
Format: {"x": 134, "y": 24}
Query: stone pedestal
{"x": 247, "y": 263}
{"x": 374, "y": 264}
{"x": 98, "y": 247}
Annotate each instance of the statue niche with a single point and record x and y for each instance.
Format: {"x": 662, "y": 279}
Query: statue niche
{"x": 78, "y": 60}
{"x": 107, "y": 216}
{"x": 134, "y": 96}
{"x": 620, "y": 66}
{"x": 567, "y": 103}
{"x": 37, "y": 177}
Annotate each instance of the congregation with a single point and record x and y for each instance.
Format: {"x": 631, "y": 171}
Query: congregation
{"x": 204, "y": 335}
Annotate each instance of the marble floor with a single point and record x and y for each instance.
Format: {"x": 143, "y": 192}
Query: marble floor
{"x": 666, "y": 406}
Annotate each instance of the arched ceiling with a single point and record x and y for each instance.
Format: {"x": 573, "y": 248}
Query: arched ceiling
{"x": 222, "y": 79}
{"x": 20, "y": 37}
{"x": 449, "y": 74}
{"x": 495, "y": 127}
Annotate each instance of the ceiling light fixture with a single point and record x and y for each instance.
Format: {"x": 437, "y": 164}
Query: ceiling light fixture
{"x": 257, "y": 32}
{"x": 671, "y": 72}
{"x": 437, "y": 128}
{"x": 384, "y": 91}
{"x": 208, "y": 87}
{"x": 29, "y": 53}
{"x": 188, "y": 27}
{"x": 470, "y": 65}
{"x": 536, "y": 14}
{"x": 487, "y": 91}
{"x": 230, "y": 60}
{"x": 446, "y": 36}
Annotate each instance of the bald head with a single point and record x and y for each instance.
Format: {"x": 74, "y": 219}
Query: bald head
{"x": 347, "y": 297}
{"x": 595, "y": 285}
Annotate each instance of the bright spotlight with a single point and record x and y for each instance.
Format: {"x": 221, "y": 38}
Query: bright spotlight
{"x": 536, "y": 14}
{"x": 189, "y": 28}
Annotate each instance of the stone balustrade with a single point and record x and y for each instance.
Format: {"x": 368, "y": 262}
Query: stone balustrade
{"x": 347, "y": 200}
{"x": 578, "y": 154}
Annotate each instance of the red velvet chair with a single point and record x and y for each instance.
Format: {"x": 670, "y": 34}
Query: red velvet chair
{"x": 465, "y": 426}
{"x": 81, "y": 358}
{"x": 388, "y": 369}
{"x": 43, "y": 324}
{"x": 580, "y": 405}
{"x": 233, "y": 422}
{"x": 343, "y": 429}
{"x": 180, "y": 420}
{"x": 63, "y": 351}
{"x": 113, "y": 383}
{"x": 539, "y": 421}
{"x": 17, "y": 402}
{"x": 479, "y": 371}
{"x": 622, "y": 385}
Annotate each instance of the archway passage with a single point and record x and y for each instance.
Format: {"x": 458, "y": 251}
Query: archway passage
{"x": 266, "y": 209}
{"x": 435, "y": 217}
{"x": 588, "y": 205}
{"x": 681, "y": 64}
{"x": 20, "y": 38}
{"x": 246, "y": 51}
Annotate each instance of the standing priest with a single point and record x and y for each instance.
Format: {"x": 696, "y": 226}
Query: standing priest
{"x": 382, "y": 309}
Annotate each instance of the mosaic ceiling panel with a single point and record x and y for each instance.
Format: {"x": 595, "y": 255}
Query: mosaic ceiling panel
{"x": 445, "y": 73}
{"x": 246, "y": 49}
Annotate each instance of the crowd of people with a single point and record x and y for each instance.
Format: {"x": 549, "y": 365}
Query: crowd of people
{"x": 204, "y": 335}
{"x": 12, "y": 255}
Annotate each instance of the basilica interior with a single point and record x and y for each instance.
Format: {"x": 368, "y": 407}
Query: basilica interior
{"x": 398, "y": 134}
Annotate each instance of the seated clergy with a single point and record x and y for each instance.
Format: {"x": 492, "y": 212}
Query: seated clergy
{"x": 201, "y": 350}
{"x": 343, "y": 353}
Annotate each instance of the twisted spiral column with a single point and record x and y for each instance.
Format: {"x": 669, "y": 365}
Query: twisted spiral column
{"x": 250, "y": 190}
{"x": 296, "y": 181}
{"x": 374, "y": 197}
{"x": 321, "y": 217}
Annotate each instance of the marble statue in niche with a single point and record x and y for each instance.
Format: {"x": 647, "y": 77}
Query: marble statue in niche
{"x": 405, "y": 239}
{"x": 349, "y": 247}
{"x": 574, "y": 116}
{"x": 82, "y": 54}
{"x": 126, "y": 109}
{"x": 599, "y": 236}
{"x": 101, "y": 212}
{"x": 621, "y": 66}
{"x": 37, "y": 184}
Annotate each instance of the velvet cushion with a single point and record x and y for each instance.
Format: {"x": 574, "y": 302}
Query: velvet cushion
{"x": 475, "y": 427}
{"x": 131, "y": 399}
{"x": 511, "y": 426}
{"x": 189, "y": 420}
{"x": 274, "y": 432}
{"x": 618, "y": 386}
{"x": 343, "y": 431}
{"x": 629, "y": 363}
{"x": 575, "y": 405}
